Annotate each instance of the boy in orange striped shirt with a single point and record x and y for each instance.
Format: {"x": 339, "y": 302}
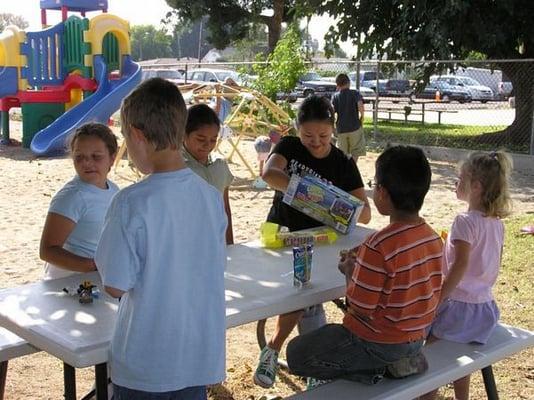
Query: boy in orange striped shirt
{"x": 393, "y": 285}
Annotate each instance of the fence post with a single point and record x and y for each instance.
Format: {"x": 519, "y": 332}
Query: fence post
{"x": 532, "y": 134}
{"x": 375, "y": 113}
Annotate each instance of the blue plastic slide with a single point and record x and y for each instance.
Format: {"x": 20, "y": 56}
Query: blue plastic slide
{"x": 96, "y": 108}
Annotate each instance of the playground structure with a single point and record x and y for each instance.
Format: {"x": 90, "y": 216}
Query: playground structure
{"x": 252, "y": 114}
{"x": 74, "y": 72}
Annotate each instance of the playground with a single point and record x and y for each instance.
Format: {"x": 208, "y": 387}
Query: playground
{"x": 65, "y": 75}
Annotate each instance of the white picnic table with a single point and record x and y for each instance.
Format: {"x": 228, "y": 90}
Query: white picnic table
{"x": 258, "y": 283}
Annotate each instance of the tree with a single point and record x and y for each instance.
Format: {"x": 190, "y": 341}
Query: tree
{"x": 283, "y": 68}
{"x": 186, "y": 36}
{"x": 255, "y": 43}
{"x": 232, "y": 20}
{"x": 149, "y": 43}
{"x": 428, "y": 29}
{"x": 12, "y": 19}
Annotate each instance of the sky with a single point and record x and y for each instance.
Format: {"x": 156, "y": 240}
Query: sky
{"x": 137, "y": 12}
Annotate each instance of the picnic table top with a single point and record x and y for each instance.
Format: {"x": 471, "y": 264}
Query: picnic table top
{"x": 258, "y": 283}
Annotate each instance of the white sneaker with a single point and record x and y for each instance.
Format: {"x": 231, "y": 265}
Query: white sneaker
{"x": 265, "y": 374}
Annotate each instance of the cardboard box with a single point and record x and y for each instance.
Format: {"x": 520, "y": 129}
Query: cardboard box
{"x": 323, "y": 202}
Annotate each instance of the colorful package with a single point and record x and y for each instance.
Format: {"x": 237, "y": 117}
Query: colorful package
{"x": 273, "y": 236}
{"x": 323, "y": 202}
{"x": 302, "y": 263}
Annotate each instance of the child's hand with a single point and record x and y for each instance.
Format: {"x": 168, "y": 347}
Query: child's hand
{"x": 347, "y": 260}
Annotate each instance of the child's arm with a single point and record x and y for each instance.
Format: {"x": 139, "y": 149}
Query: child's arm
{"x": 462, "y": 251}
{"x": 347, "y": 263}
{"x": 55, "y": 233}
{"x": 274, "y": 172}
{"x": 229, "y": 229}
{"x": 363, "y": 285}
{"x": 365, "y": 215}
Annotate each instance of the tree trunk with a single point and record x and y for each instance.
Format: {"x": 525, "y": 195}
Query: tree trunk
{"x": 521, "y": 75}
{"x": 274, "y": 24}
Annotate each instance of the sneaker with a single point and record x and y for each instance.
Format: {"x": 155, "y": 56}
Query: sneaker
{"x": 267, "y": 368}
{"x": 404, "y": 367}
{"x": 312, "y": 383}
{"x": 259, "y": 183}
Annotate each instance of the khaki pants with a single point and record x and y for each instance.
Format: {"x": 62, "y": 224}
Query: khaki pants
{"x": 352, "y": 143}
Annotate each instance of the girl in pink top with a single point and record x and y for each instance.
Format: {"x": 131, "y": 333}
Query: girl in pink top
{"x": 472, "y": 256}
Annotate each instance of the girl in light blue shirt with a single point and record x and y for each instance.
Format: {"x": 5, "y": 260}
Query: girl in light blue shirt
{"x": 76, "y": 213}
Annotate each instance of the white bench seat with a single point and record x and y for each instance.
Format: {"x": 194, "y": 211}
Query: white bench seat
{"x": 447, "y": 362}
{"x": 11, "y": 346}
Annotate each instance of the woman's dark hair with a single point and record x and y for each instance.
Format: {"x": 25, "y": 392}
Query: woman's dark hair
{"x": 314, "y": 108}
{"x": 405, "y": 173}
{"x": 200, "y": 115}
{"x": 97, "y": 130}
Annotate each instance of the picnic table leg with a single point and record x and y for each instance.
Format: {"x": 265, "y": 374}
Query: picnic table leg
{"x": 3, "y": 374}
{"x": 69, "y": 381}
{"x": 101, "y": 379}
{"x": 260, "y": 333}
{"x": 489, "y": 383}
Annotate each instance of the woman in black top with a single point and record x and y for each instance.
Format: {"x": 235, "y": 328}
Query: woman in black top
{"x": 311, "y": 153}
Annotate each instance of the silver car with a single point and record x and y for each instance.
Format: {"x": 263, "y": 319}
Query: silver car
{"x": 477, "y": 91}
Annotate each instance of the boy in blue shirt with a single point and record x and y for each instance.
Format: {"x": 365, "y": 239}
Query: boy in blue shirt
{"x": 163, "y": 252}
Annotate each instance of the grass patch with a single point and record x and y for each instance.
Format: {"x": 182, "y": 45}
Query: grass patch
{"x": 431, "y": 134}
{"x": 514, "y": 288}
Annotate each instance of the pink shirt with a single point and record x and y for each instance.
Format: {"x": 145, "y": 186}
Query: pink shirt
{"x": 486, "y": 237}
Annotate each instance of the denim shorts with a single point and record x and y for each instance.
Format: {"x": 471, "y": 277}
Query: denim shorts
{"x": 334, "y": 352}
{"x": 190, "y": 393}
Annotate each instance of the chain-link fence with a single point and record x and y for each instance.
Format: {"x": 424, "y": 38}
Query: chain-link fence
{"x": 466, "y": 104}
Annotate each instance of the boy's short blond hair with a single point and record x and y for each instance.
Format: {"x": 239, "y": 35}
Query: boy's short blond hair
{"x": 157, "y": 108}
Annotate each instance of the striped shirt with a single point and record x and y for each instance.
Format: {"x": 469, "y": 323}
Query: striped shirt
{"x": 396, "y": 284}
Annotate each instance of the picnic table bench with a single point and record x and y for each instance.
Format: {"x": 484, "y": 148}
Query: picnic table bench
{"x": 413, "y": 110}
{"x": 447, "y": 362}
{"x": 11, "y": 346}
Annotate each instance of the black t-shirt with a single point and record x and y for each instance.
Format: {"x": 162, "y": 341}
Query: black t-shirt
{"x": 335, "y": 168}
{"x": 345, "y": 104}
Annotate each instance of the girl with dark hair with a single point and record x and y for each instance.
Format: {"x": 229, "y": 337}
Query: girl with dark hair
{"x": 311, "y": 153}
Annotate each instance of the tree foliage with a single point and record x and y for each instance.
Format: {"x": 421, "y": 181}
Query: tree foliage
{"x": 441, "y": 30}
{"x": 12, "y": 19}
{"x": 231, "y": 20}
{"x": 149, "y": 43}
{"x": 283, "y": 68}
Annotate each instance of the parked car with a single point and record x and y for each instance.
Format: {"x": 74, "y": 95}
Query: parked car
{"x": 477, "y": 91}
{"x": 398, "y": 88}
{"x": 312, "y": 83}
{"x": 368, "y": 79}
{"x": 367, "y": 93}
{"x": 505, "y": 90}
{"x": 447, "y": 93}
{"x": 212, "y": 75}
{"x": 171, "y": 75}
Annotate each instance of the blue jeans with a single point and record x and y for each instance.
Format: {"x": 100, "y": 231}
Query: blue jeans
{"x": 190, "y": 393}
{"x": 334, "y": 352}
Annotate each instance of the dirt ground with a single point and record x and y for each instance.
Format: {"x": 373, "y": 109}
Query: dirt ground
{"x": 27, "y": 185}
